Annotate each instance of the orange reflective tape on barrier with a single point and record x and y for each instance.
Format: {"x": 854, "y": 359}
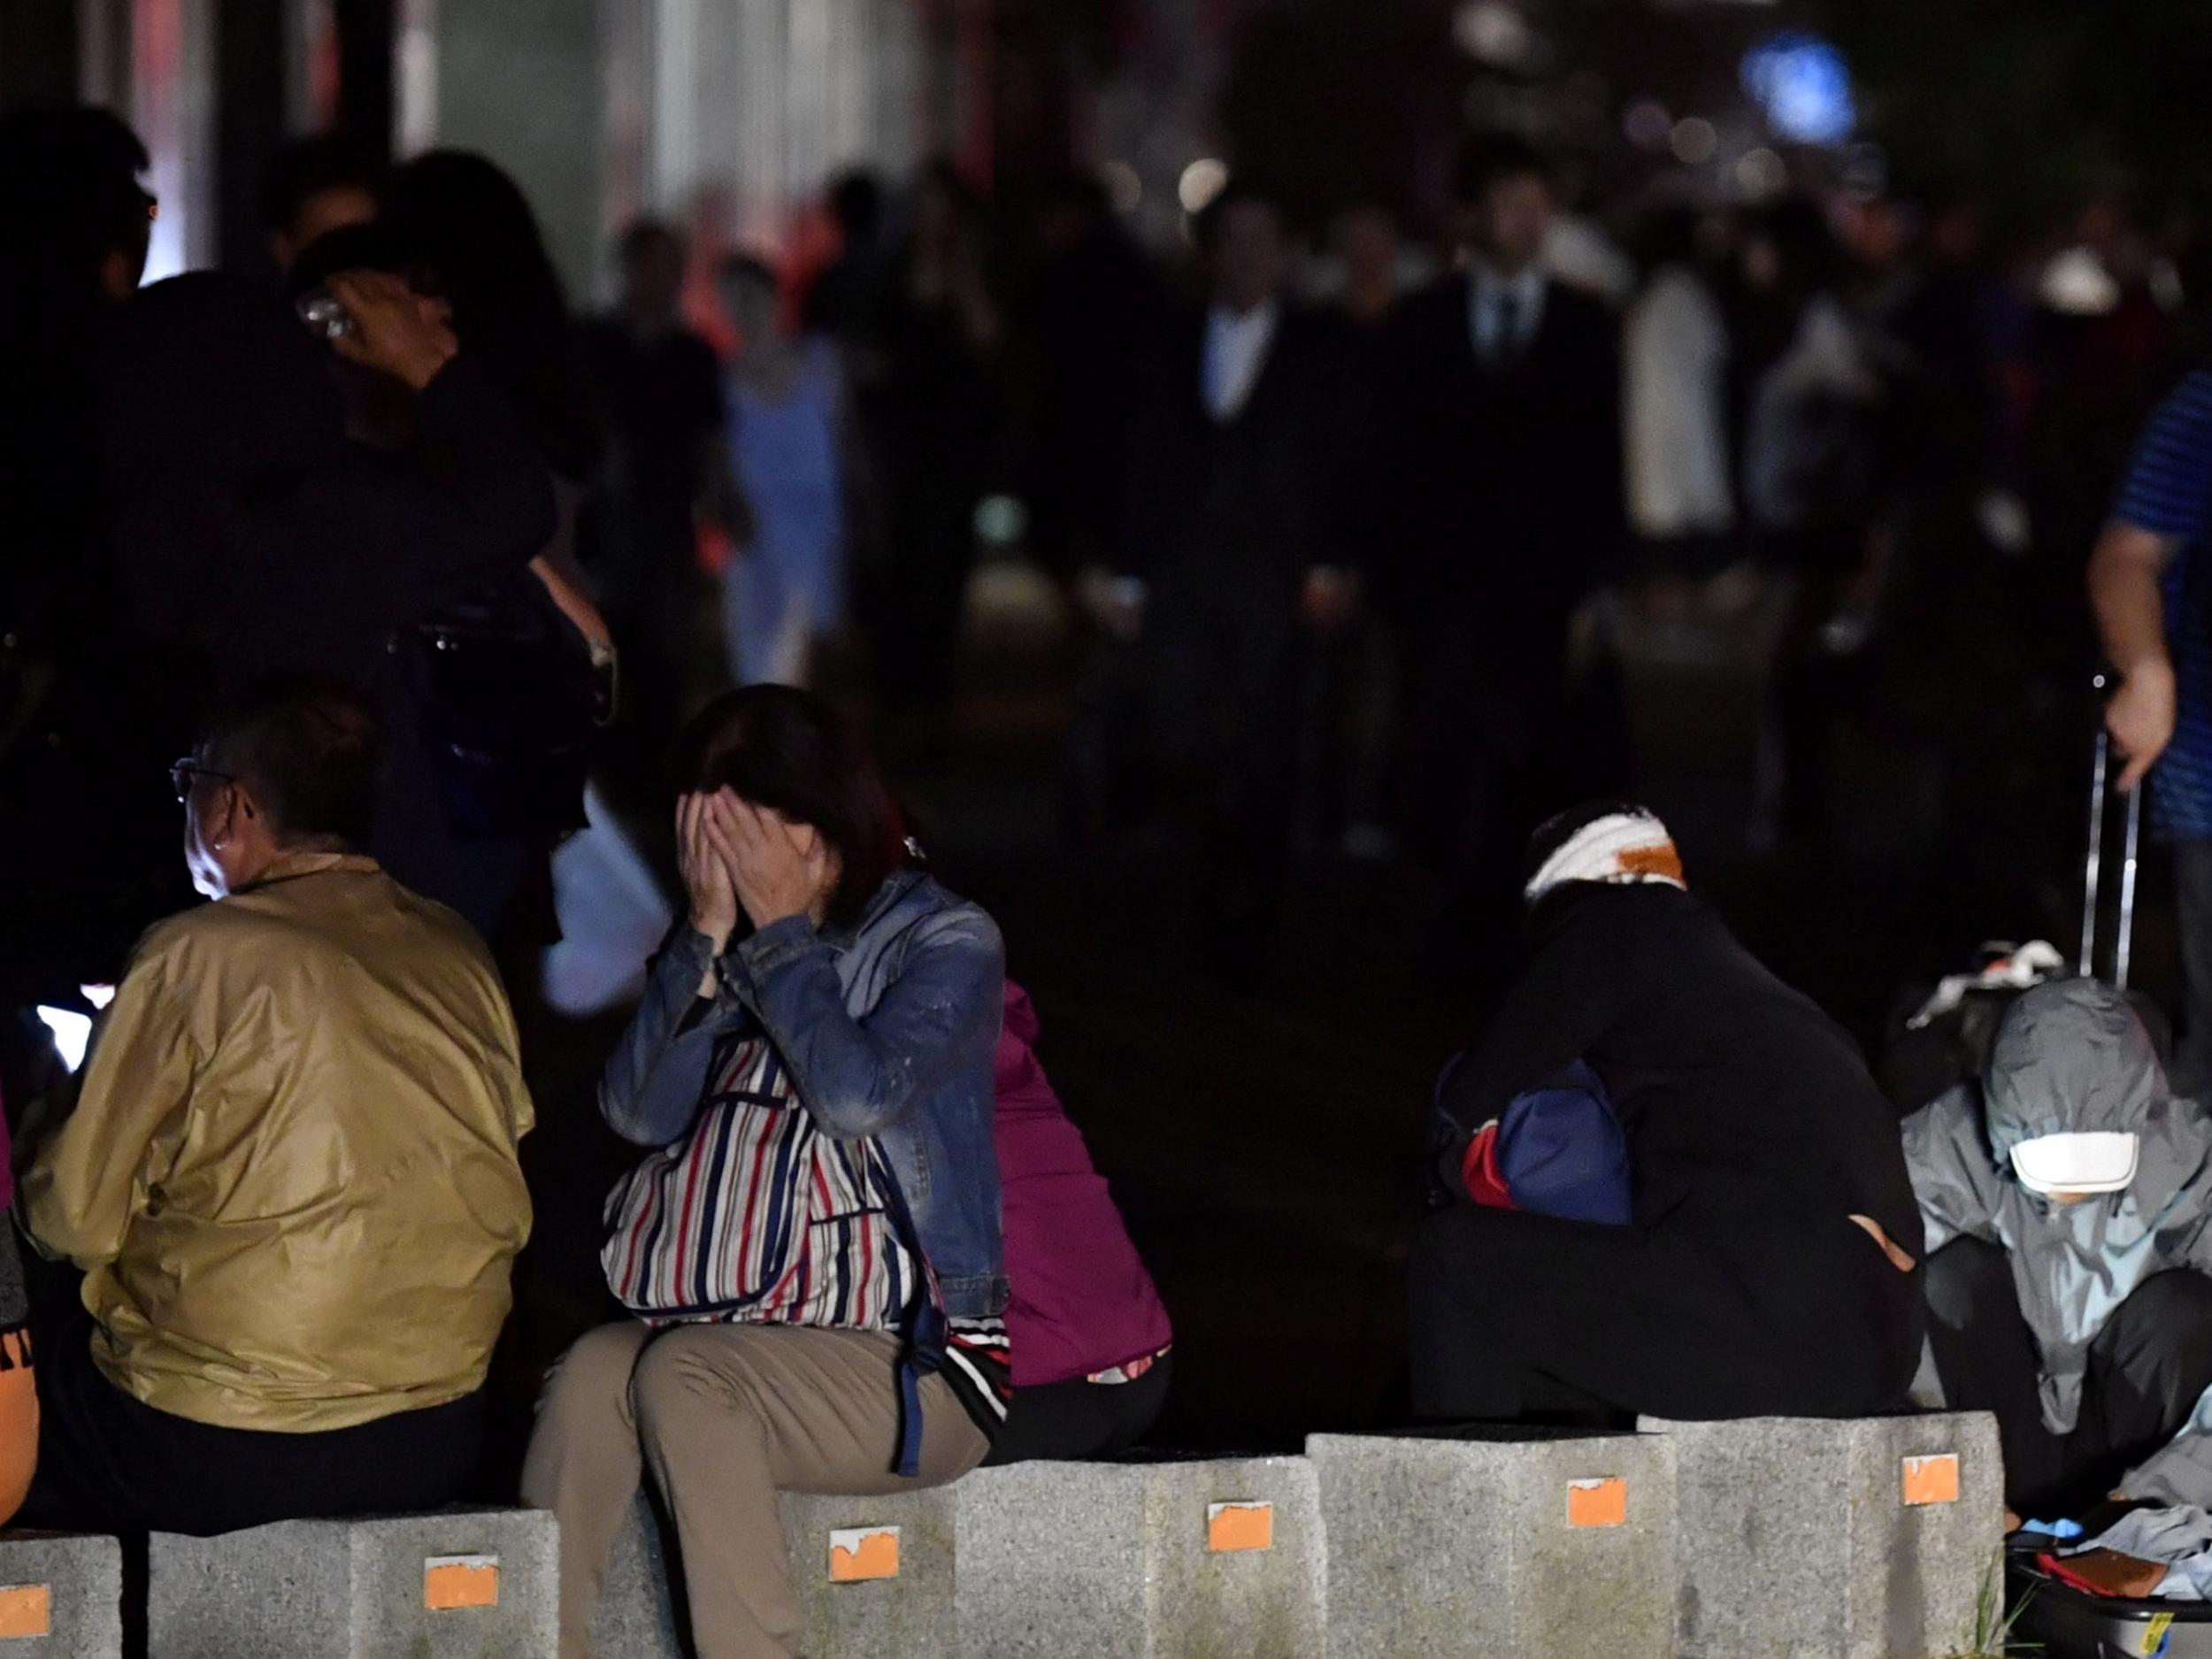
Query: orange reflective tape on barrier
{"x": 860, "y": 1555}
{"x": 450, "y": 1583}
{"x": 1234, "y": 1527}
{"x": 26, "y": 1611}
{"x": 1931, "y": 1480}
{"x": 1597, "y": 1502}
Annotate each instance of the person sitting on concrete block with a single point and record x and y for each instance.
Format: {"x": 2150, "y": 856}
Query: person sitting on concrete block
{"x": 1090, "y": 1337}
{"x": 291, "y": 1175}
{"x": 812, "y": 1246}
{"x": 2066, "y": 1201}
{"x": 18, "y": 1382}
{"x": 1758, "y": 1272}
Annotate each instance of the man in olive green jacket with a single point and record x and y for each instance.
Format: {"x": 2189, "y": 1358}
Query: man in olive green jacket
{"x": 291, "y": 1177}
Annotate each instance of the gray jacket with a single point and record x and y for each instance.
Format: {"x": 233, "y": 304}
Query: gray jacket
{"x": 2072, "y": 1058}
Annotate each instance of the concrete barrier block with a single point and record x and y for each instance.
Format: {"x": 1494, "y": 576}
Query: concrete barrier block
{"x": 1467, "y": 1546}
{"x": 640, "y": 1614}
{"x": 875, "y": 1575}
{"x": 1866, "y": 1538}
{"x": 61, "y": 1596}
{"x": 1149, "y": 1560}
{"x": 467, "y": 1585}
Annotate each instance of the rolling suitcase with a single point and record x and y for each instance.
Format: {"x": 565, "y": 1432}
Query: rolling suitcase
{"x": 1946, "y": 1038}
{"x": 2092, "y": 870}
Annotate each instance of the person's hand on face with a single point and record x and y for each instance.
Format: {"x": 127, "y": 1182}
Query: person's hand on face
{"x": 703, "y": 855}
{"x": 394, "y": 330}
{"x": 781, "y": 868}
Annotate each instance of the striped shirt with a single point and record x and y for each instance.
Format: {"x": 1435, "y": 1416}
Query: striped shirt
{"x": 755, "y": 1217}
{"x": 2168, "y": 492}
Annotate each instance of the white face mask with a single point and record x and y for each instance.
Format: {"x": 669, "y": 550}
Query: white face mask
{"x": 2076, "y": 1165}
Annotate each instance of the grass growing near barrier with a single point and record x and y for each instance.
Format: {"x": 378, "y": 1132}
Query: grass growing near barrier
{"x": 1994, "y": 1623}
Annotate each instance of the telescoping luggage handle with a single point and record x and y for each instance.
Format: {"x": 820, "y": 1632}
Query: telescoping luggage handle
{"x": 2093, "y": 872}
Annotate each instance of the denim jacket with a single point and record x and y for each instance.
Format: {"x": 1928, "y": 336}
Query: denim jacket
{"x": 887, "y": 1030}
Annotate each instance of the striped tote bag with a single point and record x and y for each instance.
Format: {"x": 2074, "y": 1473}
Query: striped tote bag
{"x": 755, "y": 1216}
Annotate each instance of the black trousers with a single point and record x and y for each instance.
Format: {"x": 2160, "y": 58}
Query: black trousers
{"x": 1518, "y": 1316}
{"x": 109, "y": 1463}
{"x": 1221, "y": 658}
{"x": 2147, "y": 1369}
{"x": 2192, "y": 918}
{"x": 924, "y": 596}
{"x": 1482, "y": 749}
{"x": 1074, "y": 1421}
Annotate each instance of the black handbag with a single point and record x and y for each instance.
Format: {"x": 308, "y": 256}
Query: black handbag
{"x": 511, "y": 699}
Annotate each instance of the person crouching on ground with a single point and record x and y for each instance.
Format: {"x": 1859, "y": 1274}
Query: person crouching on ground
{"x": 1754, "y": 1268}
{"x": 291, "y": 1176}
{"x": 2067, "y": 1206}
{"x": 812, "y": 1246}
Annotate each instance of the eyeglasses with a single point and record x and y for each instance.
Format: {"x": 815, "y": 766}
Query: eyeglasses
{"x": 186, "y": 774}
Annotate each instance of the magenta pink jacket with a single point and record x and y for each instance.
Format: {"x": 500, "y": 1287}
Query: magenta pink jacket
{"x": 1082, "y": 1300}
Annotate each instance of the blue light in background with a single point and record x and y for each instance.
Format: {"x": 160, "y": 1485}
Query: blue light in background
{"x": 1803, "y": 86}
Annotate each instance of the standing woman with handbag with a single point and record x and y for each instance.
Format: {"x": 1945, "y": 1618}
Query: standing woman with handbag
{"x": 812, "y": 1246}
{"x": 513, "y": 678}
{"x": 261, "y": 526}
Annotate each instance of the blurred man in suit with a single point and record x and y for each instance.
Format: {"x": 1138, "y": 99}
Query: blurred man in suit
{"x": 1498, "y": 469}
{"x": 1223, "y": 569}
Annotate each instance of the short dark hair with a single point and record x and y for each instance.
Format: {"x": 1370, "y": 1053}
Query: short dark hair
{"x": 1205, "y": 225}
{"x": 370, "y": 247}
{"x": 746, "y": 267}
{"x": 779, "y": 746}
{"x": 1080, "y": 191}
{"x": 311, "y": 752}
{"x": 1487, "y": 159}
{"x": 306, "y": 167}
{"x": 70, "y": 195}
{"x": 644, "y": 235}
{"x": 854, "y": 199}
{"x": 1370, "y": 202}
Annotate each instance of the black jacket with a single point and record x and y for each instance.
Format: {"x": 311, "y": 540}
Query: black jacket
{"x": 1236, "y": 501}
{"x": 1502, "y": 486}
{"x": 250, "y": 529}
{"x": 1749, "y": 1114}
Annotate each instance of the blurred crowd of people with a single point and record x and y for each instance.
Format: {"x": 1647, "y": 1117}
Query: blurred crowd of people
{"x": 1365, "y": 524}
{"x": 1364, "y": 530}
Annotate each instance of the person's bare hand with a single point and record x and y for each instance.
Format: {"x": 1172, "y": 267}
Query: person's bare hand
{"x": 1116, "y": 603}
{"x": 394, "y": 330}
{"x": 1122, "y": 618}
{"x": 1327, "y": 600}
{"x": 781, "y": 868}
{"x": 703, "y": 855}
{"x": 2140, "y": 718}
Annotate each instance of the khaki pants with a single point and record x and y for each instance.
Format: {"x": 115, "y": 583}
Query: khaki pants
{"x": 726, "y": 1416}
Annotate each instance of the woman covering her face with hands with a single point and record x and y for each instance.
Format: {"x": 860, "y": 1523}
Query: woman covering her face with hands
{"x": 811, "y": 1245}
